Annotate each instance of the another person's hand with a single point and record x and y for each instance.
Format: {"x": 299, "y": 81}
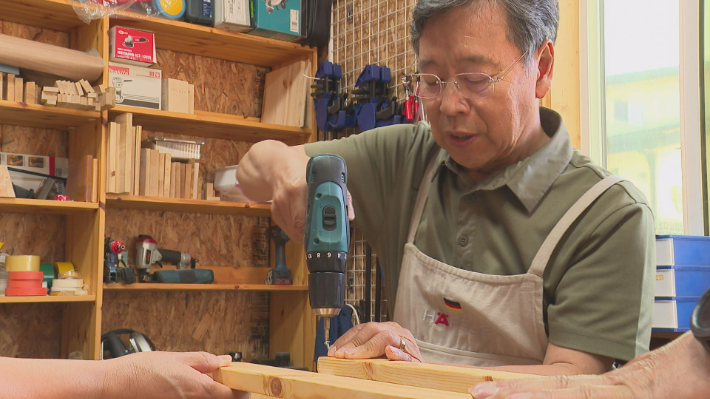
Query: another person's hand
{"x": 679, "y": 370}
{"x": 150, "y": 375}
{"x": 371, "y": 340}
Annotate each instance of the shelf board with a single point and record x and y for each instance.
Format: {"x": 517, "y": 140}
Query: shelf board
{"x": 212, "y": 125}
{"x": 47, "y": 299}
{"x": 42, "y": 116}
{"x": 23, "y": 205}
{"x": 52, "y": 14}
{"x": 214, "y": 43}
{"x": 186, "y": 205}
{"x": 202, "y": 287}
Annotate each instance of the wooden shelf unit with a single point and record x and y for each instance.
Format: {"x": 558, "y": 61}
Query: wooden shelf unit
{"x": 42, "y": 116}
{"x": 47, "y": 299}
{"x": 292, "y": 323}
{"x": 212, "y": 125}
{"x": 23, "y": 205}
{"x": 186, "y": 205}
{"x": 203, "y": 287}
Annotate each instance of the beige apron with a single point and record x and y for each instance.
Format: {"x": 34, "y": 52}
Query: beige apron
{"x": 465, "y": 317}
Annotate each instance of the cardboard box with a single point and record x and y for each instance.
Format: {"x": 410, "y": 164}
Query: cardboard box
{"x": 175, "y": 96}
{"x": 276, "y": 19}
{"x": 232, "y": 15}
{"x": 52, "y": 166}
{"x": 131, "y": 46}
{"x": 135, "y": 86}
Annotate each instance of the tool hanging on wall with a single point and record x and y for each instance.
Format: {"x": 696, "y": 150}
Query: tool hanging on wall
{"x": 332, "y": 113}
{"x": 371, "y": 101}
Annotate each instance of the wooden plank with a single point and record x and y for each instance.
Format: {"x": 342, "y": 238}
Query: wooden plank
{"x": 189, "y": 174}
{"x": 126, "y": 156}
{"x": 30, "y": 93}
{"x": 286, "y": 383}
{"x": 143, "y": 186}
{"x": 10, "y": 87}
{"x": 6, "y": 190}
{"x": 424, "y": 375}
{"x": 173, "y": 179}
{"x": 161, "y": 175}
{"x": 167, "y": 183}
{"x": 19, "y": 89}
{"x": 154, "y": 172}
{"x": 79, "y": 183}
{"x": 94, "y": 180}
{"x": 195, "y": 180}
{"x": 137, "y": 159}
{"x": 3, "y": 78}
{"x": 112, "y": 154}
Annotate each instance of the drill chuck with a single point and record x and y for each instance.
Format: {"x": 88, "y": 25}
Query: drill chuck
{"x": 327, "y": 292}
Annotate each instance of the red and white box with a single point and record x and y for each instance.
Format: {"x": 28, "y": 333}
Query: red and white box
{"x": 131, "y": 46}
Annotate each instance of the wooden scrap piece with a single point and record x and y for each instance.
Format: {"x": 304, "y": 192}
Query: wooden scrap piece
{"x": 19, "y": 89}
{"x": 424, "y": 375}
{"x": 293, "y": 384}
{"x": 10, "y": 87}
{"x": 6, "y": 190}
{"x": 3, "y": 78}
{"x": 30, "y": 93}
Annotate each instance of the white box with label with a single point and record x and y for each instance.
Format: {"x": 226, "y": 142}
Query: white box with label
{"x": 135, "y": 86}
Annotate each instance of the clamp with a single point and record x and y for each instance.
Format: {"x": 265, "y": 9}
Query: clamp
{"x": 331, "y": 113}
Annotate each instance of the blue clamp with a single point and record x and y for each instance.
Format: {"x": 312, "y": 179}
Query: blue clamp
{"x": 371, "y": 101}
{"x": 331, "y": 115}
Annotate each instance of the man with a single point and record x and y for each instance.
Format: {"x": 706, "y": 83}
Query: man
{"x": 146, "y": 375}
{"x": 469, "y": 215}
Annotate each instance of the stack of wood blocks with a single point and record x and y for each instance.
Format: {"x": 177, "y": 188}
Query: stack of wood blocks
{"x": 372, "y": 379}
{"x": 142, "y": 171}
{"x": 14, "y": 88}
{"x": 79, "y": 95}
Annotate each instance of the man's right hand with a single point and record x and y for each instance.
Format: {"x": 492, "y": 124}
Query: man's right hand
{"x": 271, "y": 170}
{"x": 167, "y": 375}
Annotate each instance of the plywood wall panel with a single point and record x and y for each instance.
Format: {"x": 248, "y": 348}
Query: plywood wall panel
{"x": 31, "y": 330}
{"x": 216, "y": 322}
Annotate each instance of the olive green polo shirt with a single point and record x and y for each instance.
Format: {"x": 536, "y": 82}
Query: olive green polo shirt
{"x": 599, "y": 283}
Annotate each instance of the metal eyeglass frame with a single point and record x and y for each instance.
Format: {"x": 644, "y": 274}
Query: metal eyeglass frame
{"x": 409, "y": 80}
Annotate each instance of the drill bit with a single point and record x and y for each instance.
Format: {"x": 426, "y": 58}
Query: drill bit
{"x": 326, "y": 330}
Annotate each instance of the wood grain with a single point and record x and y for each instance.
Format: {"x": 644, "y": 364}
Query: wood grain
{"x": 295, "y": 384}
{"x": 424, "y": 375}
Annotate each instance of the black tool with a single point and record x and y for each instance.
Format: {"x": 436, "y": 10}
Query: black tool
{"x": 280, "y": 274}
{"x": 112, "y": 343}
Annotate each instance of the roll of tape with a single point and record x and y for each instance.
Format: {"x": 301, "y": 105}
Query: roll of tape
{"x": 67, "y": 283}
{"x": 173, "y": 9}
{"x": 69, "y": 274}
{"x": 62, "y": 267}
{"x": 24, "y": 284}
{"x": 36, "y": 276}
{"x": 22, "y": 263}
{"x": 26, "y": 291}
{"x": 65, "y": 289}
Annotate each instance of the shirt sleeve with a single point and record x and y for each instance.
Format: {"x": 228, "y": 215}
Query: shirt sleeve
{"x": 373, "y": 160}
{"x": 604, "y": 302}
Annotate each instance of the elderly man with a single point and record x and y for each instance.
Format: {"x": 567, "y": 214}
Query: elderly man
{"x": 501, "y": 244}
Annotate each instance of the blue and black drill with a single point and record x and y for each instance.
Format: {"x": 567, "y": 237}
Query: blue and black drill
{"x": 327, "y": 235}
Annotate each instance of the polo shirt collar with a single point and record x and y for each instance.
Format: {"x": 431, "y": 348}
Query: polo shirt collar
{"x": 531, "y": 178}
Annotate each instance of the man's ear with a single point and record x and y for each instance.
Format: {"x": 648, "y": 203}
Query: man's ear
{"x": 545, "y": 61}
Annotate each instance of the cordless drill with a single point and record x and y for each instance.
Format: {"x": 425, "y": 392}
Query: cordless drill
{"x": 327, "y": 235}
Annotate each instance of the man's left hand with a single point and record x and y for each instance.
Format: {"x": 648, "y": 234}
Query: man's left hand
{"x": 371, "y": 340}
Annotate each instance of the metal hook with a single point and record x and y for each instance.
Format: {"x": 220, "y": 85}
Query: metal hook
{"x": 311, "y": 77}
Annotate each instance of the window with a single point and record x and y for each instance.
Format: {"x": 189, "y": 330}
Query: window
{"x": 640, "y": 91}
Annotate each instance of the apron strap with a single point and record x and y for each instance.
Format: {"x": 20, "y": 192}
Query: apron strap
{"x": 421, "y": 198}
{"x": 543, "y": 254}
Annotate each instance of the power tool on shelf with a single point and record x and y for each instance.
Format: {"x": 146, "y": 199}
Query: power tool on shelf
{"x": 115, "y": 267}
{"x": 148, "y": 254}
{"x": 327, "y": 235}
{"x": 280, "y": 274}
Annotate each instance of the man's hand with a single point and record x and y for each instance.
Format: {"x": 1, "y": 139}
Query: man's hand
{"x": 370, "y": 340}
{"x": 679, "y": 370}
{"x": 150, "y": 375}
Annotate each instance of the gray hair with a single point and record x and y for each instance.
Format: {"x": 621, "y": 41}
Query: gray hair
{"x": 530, "y": 22}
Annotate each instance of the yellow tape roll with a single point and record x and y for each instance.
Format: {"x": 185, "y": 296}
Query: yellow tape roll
{"x": 22, "y": 263}
{"x": 62, "y": 267}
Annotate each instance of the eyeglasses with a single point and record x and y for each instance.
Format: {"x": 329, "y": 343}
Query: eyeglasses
{"x": 470, "y": 85}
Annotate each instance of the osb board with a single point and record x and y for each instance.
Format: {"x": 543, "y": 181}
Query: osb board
{"x": 34, "y": 141}
{"x": 38, "y": 34}
{"x": 216, "y": 322}
{"x": 220, "y": 86}
{"x": 31, "y": 330}
{"x": 27, "y": 234}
